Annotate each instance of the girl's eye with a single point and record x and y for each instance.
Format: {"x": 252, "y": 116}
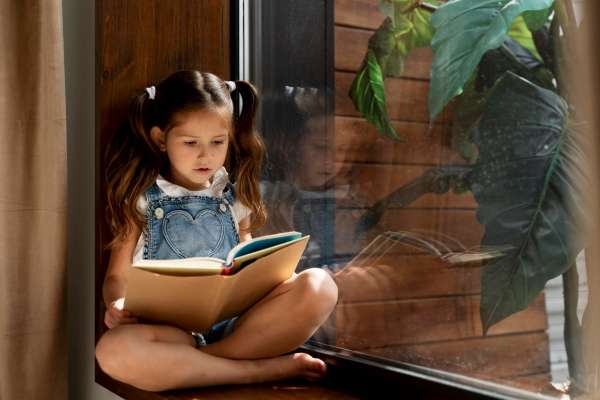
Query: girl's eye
{"x": 218, "y": 142}
{"x": 190, "y": 143}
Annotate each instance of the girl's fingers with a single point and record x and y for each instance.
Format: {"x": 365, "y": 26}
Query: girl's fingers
{"x": 114, "y": 317}
{"x": 120, "y": 313}
{"x": 109, "y": 321}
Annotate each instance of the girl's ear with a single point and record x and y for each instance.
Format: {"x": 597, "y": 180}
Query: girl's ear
{"x": 158, "y": 137}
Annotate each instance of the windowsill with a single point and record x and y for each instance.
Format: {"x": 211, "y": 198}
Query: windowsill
{"x": 370, "y": 375}
{"x": 350, "y": 376}
{"x": 289, "y": 389}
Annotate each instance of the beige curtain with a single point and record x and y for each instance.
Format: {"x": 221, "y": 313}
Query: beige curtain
{"x": 588, "y": 74}
{"x": 33, "y": 209}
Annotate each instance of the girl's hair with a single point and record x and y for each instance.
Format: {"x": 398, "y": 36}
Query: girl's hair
{"x": 133, "y": 160}
{"x": 289, "y": 112}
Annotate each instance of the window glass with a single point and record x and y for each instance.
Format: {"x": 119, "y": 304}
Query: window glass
{"x": 436, "y": 161}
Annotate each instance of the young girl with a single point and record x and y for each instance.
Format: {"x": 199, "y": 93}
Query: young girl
{"x": 169, "y": 196}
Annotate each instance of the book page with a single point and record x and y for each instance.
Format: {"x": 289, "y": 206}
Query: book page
{"x": 241, "y": 261}
{"x": 260, "y": 243}
{"x": 183, "y": 266}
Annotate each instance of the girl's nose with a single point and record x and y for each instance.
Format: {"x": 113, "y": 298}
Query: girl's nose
{"x": 202, "y": 151}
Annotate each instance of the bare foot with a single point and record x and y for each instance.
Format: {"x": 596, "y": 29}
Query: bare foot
{"x": 297, "y": 365}
{"x": 308, "y": 366}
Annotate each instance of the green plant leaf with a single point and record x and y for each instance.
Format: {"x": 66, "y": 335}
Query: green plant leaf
{"x": 398, "y": 35}
{"x": 512, "y": 56}
{"x": 464, "y": 31}
{"x": 523, "y": 182}
{"x": 521, "y": 33}
{"x": 536, "y": 20}
{"x": 405, "y": 28}
{"x": 390, "y": 56}
{"x": 467, "y": 109}
{"x": 469, "y": 105}
{"x": 368, "y": 96}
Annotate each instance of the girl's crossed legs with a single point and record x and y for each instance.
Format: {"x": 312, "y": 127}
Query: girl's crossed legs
{"x": 162, "y": 357}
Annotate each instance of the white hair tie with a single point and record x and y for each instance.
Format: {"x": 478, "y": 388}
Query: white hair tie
{"x": 151, "y": 92}
{"x": 230, "y": 85}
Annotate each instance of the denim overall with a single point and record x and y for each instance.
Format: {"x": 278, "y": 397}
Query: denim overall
{"x": 191, "y": 226}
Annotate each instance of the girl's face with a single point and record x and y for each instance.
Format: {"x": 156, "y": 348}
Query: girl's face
{"x": 196, "y": 147}
{"x": 317, "y": 156}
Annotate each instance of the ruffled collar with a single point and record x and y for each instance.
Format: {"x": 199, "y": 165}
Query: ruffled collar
{"x": 218, "y": 184}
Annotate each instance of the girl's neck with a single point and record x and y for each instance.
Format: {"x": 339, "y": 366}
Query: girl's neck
{"x": 169, "y": 177}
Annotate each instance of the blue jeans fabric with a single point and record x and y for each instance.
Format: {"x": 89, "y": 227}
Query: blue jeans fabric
{"x": 191, "y": 226}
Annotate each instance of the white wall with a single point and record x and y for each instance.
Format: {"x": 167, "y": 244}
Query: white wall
{"x": 78, "y": 20}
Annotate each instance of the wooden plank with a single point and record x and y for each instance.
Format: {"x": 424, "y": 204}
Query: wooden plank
{"x": 369, "y": 183}
{"x": 406, "y": 99}
{"x": 488, "y": 358}
{"x": 379, "y": 324}
{"x": 351, "y": 46}
{"x": 460, "y": 225}
{"x": 358, "y": 13}
{"x": 358, "y": 140}
{"x": 393, "y": 277}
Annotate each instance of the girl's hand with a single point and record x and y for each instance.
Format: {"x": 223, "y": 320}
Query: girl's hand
{"x": 115, "y": 314}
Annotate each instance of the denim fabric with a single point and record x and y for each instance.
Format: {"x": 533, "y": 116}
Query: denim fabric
{"x": 189, "y": 226}
{"x": 316, "y": 216}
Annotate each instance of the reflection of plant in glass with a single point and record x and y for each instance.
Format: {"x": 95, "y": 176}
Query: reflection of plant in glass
{"x": 495, "y": 60}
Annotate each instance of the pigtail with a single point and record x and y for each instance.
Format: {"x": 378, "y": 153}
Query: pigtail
{"x": 247, "y": 155}
{"x": 132, "y": 164}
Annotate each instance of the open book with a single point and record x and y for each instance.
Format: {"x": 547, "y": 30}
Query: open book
{"x": 195, "y": 293}
{"x": 237, "y": 258}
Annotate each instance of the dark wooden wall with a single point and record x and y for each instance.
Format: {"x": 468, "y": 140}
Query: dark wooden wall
{"x": 413, "y": 307}
{"x": 138, "y": 43}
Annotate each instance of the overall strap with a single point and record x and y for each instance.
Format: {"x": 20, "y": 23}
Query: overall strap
{"x": 229, "y": 193}
{"x": 153, "y": 193}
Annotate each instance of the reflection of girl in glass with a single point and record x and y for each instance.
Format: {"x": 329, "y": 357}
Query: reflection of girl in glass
{"x": 175, "y": 157}
{"x": 299, "y": 186}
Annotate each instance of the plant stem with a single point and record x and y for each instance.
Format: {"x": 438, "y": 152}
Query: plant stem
{"x": 428, "y": 7}
{"x": 572, "y": 329}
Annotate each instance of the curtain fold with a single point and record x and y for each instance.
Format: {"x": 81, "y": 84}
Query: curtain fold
{"x": 33, "y": 201}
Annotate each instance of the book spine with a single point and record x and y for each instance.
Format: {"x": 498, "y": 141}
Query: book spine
{"x": 228, "y": 269}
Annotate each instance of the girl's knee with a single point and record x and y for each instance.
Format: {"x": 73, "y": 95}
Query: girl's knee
{"x": 112, "y": 351}
{"x": 319, "y": 291}
{"x": 106, "y": 352}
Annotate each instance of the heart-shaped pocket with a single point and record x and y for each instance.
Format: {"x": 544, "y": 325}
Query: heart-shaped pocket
{"x": 193, "y": 236}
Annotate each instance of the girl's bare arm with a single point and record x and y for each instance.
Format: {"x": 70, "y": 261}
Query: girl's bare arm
{"x": 245, "y": 229}
{"x": 115, "y": 282}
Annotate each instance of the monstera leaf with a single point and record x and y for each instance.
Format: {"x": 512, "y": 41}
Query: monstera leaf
{"x": 468, "y": 106}
{"x": 464, "y": 31}
{"x": 526, "y": 195}
{"x": 512, "y": 56}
